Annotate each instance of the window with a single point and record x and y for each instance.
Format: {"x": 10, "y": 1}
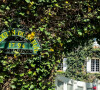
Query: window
{"x": 95, "y": 65}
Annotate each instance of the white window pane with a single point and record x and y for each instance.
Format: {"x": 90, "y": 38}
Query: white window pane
{"x": 92, "y": 65}
{"x": 95, "y": 65}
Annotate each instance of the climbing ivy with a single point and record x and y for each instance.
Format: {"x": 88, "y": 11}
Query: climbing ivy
{"x": 59, "y": 25}
{"x": 77, "y": 61}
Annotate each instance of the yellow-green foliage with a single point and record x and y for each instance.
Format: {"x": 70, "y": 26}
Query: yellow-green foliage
{"x": 60, "y": 26}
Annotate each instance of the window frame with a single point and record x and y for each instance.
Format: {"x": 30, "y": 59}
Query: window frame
{"x": 95, "y": 65}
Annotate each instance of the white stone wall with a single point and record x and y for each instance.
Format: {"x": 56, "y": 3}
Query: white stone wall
{"x": 69, "y": 84}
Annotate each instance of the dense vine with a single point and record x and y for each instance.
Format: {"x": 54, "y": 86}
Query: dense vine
{"x": 77, "y": 61}
{"x": 60, "y": 26}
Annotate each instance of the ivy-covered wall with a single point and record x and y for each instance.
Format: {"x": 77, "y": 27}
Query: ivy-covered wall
{"x": 77, "y": 62}
{"x": 60, "y": 27}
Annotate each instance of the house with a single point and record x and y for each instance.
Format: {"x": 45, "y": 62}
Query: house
{"x": 82, "y": 62}
{"x": 88, "y": 65}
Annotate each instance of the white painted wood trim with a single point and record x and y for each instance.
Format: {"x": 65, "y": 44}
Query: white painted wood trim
{"x": 75, "y": 83}
{"x": 88, "y": 67}
{"x": 64, "y": 64}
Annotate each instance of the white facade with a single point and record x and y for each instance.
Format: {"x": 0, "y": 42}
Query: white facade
{"x": 64, "y": 64}
{"x": 88, "y": 66}
{"x": 63, "y": 83}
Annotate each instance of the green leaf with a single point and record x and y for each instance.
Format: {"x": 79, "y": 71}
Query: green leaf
{"x": 18, "y": 83}
{"x": 13, "y": 66}
{"x": 14, "y": 79}
{"x": 41, "y": 29}
{"x": 43, "y": 87}
{"x": 49, "y": 83}
{"x": 34, "y": 73}
{"x": 13, "y": 86}
{"x": 59, "y": 39}
{"x": 26, "y": 86}
{"x": 28, "y": 1}
{"x": 30, "y": 29}
{"x": 98, "y": 17}
{"x": 31, "y": 87}
{"x": 35, "y": 14}
{"x": 29, "y": 72}
{"x": 1, "y": 79}
{"x": 80, "y": 33}
{"x": 33, "y": 26}
{"x": 70, "y": 40}
{"x": 3, "y": 6}
{"x": 26, "y": 67}
{"x": 6, "y": 23}
{"x": 21, "y": 13}
{"x": 7, "y": 8}
{"x": 22, "y": 74}
{"x": 37, "y": 69}
{"x": 4, "y": 62}
{"x": 40, "y": 83}
{"x": 33, "y": 65}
